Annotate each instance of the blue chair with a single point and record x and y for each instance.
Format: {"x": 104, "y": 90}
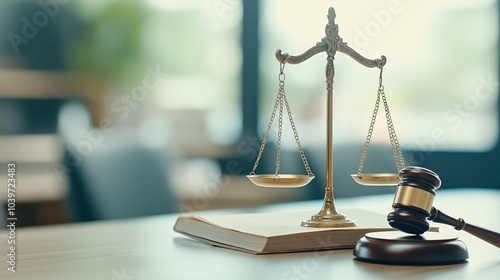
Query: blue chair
{"x": 116, "y": 177}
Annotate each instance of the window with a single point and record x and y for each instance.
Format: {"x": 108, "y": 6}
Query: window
{"x": 441, "y": 78}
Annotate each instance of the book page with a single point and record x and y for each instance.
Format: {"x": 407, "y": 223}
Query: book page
{"x": 275, "y": 224}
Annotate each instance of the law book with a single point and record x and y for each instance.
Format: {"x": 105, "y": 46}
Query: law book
{"x": 265, "y": 233}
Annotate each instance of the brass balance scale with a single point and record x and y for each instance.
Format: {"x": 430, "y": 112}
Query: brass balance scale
{"x": 328, "y": 215}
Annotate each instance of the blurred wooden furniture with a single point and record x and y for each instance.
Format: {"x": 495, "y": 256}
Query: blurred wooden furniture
{"x": 42, "y": 192}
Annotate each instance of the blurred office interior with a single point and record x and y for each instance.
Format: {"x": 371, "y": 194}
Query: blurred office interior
{"x": 124, "y": 108}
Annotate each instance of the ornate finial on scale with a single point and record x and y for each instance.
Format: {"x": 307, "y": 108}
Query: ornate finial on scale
{"x": 331, "y": 43}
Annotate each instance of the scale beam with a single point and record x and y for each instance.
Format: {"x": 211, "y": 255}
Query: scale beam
{"x": 331, "y": 43}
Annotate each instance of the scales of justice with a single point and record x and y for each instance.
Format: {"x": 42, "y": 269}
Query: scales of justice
{"x": 328, "y": 215}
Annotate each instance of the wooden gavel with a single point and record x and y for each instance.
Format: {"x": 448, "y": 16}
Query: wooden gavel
{"x": 413, "y": 206}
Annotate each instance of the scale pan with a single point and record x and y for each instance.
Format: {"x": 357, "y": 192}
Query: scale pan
{"x": 280, "y": 181}
{"x": 377, "y": 179}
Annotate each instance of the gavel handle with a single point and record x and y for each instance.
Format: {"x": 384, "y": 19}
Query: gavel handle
{"x": 459, "y": 224}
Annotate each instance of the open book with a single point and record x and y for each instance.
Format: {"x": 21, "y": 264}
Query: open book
{"x": 264, "y": 233}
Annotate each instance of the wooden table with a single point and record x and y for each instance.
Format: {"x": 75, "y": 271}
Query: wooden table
{"x": 148, "y": 248}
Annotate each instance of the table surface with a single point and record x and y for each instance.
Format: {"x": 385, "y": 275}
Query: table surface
{"x": 148, "y": 248}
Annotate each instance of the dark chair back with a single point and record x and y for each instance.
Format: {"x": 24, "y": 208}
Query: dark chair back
{"x": 112, "y": 176}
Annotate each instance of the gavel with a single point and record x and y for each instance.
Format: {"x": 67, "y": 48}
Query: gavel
{"x": 413, "y": 206}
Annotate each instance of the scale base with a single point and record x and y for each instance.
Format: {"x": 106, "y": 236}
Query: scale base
{"x": 328, "y": 221}
{"x": 394, "y": 247}
{"x": 328, "y": 217}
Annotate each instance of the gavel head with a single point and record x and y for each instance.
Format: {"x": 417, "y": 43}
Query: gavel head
{"x": 413, "y": 200}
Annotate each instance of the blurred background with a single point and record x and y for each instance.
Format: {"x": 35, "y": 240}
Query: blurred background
{"x": 122, "y": 108}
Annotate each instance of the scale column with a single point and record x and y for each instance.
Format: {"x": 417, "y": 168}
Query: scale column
{"x": 330, "y": 73}
{"x": 328, "y": 216}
